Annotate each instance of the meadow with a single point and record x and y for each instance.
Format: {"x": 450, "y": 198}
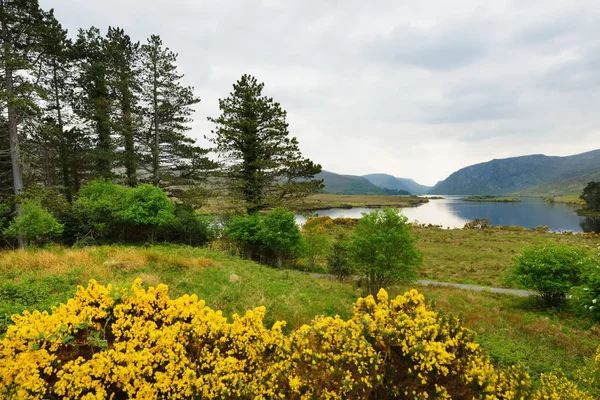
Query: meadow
{"x": 505, "y": 325}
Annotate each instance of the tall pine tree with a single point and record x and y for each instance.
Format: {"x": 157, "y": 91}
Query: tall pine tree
{"x": 94, "y": 101}
{"x": 168, "y": 153}
{"x": 262, "y": 163}
{"x": 123, "y": 56}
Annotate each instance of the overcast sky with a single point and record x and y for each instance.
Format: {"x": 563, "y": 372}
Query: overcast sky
{"x": 416, "y": 89}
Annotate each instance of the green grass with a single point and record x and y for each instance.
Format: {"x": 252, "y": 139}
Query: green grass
{"x": 510, "y": 329}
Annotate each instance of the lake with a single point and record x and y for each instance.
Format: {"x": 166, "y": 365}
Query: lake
{"x": 452, "y": 212}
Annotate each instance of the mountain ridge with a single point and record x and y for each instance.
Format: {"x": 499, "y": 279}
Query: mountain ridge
{"x": 535, "y": 174}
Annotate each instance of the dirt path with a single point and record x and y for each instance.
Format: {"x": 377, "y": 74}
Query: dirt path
{"x": 477, "y": 288}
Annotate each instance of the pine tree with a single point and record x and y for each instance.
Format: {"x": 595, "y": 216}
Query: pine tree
{"x": 168, "y": 153}
{"x": 20, "y": 24}
{"x": 94, "y": 101}
{"x": 262, "y": 164}
{"x": 123, "y": 56}
{"x": 50, "y": 135}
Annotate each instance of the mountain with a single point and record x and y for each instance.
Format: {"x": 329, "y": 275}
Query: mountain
{"x": 386, "y": 181}
{"x": 527, "y": 175}
{"x": 347, "y": 184}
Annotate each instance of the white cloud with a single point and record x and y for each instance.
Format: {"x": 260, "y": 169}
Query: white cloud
{"x": 414, "y": 89}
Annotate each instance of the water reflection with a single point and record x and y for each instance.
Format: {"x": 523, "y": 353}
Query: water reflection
{"x": 452, "y": 212}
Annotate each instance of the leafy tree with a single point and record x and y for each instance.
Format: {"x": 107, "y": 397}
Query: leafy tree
{"x": 245, "y": 232}
{"x": 98, "y": 208}
{"x": 35, "y": 224}
{"x": 167, "y": 152}
{"x": 316, "y": 241}
{"x": 281, "y": 236}
{"x": 591, "y": 195}
{"x": 262, "y": 164}
{"x": 339, "y": 259}
{"x": 384, "y": 249}
{"x": 148, "y": 206}
{"x": 549, "y": 269}
{"x": 21, "y": 22}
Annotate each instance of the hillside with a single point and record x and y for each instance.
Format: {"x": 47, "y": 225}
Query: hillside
{"x": 527, "y": 175}
{"x": 347, "y": 184}
{"x": 386, "y": 181}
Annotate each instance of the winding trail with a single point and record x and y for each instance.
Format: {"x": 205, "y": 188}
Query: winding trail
{"x": 465, "y": 286}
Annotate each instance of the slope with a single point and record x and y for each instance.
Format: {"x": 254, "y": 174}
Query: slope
{"x": 386, "y": 181}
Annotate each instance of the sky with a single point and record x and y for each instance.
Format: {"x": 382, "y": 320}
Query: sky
{"x": 415, "y": 89}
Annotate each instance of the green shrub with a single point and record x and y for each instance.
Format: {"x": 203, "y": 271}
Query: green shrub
{"x": 587, "y": 295}
{"x": 149, "y": 207}
{"x": 338, "y": 259}
{"x": 98, "y": 208}
{"x": 280, "y": 236}
{"x": 191, "y": 228}
{"x": 384, "y": 249}
{"x": 550, "y": 269}
{"x": 35, "y": 224}
{"x": 272, "y": 239}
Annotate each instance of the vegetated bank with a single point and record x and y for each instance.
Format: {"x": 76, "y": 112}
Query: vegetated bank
{"x": 492, "y": 199}
{"x": 324, "y": 201}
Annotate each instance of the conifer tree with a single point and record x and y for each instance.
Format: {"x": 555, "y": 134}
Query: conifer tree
{"x": 21, "y": 21}
{"x": 123, "y": 56}
{"x": 93, "y": 102}
{"x": 262, "y": 163}
{"x": 168, "y": 152}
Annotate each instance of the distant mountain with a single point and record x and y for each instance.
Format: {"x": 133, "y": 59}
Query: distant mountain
{"x": 527, "y": 175}
{"x": 347, "y": 184}
{"x": 386, "y": 181}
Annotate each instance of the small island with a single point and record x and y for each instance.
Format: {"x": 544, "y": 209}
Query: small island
{"x": 492, "y": 199}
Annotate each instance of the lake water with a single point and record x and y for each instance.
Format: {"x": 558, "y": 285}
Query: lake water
{"x": 452, "y": 212}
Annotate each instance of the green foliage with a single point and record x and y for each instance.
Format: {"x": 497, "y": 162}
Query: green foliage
{"x": 280, "y": 235}
{"x": 191, "y": 228}
{"x": 271, "y": 239}
{"x": 316, "y": 242}
{"x": 264, "y": 165}
{"x": 339, "y": 259}
{"x": 384, "y": 249}
{"x": 587, "y": 295}
{"x": 550, "y": 269}
{"x": 591, "y": 195}
{"x": 147, "y": 205}
{"x": 35, "y": 224}
{"x": 99, "y": 206}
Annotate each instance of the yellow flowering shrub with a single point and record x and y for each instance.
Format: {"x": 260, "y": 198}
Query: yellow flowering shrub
{"x": 139, "y": 343}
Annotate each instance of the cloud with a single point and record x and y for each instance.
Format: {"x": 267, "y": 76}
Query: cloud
{"x": 414, "y": 89}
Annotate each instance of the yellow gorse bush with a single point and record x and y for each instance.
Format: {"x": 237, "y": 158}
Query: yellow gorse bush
{"x": 139, "y": 343}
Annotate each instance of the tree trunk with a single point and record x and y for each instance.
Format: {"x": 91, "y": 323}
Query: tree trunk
{"x": 62, "y": 149}
{"x": 156, "y": 144}
{"x": 15, "y": 156}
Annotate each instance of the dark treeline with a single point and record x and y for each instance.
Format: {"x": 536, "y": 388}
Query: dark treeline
{"x": 102, "y": 105}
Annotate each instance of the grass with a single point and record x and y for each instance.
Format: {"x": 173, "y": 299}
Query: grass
{"x": 480, "y": 257}
{"x": 39, "y": 279}
{"x": 569, "y": 199}
{"x": 325, "y": 201}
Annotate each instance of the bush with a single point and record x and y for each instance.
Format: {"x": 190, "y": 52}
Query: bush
{"x": 136, "y": 343}
{"x": 98, "y": 208}
{"x": 191, "y": 228}
{"x": 479, "y": 223}
{"x": 338, "y": 259}
{"x": 35, "y": 224}
{"x": 550, "y": 269}
{"x": 272, "y": 239}
{"x": 149, "y": 207}
{"x": 384, "y": 250}
{"x": 316, "y": 241}
{"x": 587, "y": 295}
